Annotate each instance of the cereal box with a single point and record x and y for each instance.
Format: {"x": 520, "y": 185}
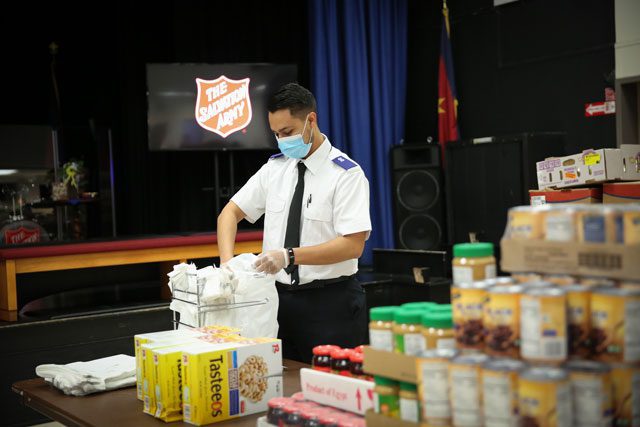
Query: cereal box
{"x": 220, "y": 383}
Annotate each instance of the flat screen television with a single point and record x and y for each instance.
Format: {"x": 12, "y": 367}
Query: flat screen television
{"x": 212, "y": 106}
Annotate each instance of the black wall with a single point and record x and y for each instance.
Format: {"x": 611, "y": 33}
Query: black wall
{"x": 101, "y": 72}
{"x": 526, "y": 66}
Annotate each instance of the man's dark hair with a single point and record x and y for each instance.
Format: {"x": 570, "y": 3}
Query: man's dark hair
{"x": 297, "y": 99}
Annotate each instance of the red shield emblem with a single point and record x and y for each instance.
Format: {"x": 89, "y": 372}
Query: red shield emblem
{"x": 223, "y": 105}
{"x": 22, "y": 235}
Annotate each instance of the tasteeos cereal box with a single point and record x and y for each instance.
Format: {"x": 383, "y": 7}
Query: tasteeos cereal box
{"x": 224, "y": 381}
{"x": 164, "y": 336}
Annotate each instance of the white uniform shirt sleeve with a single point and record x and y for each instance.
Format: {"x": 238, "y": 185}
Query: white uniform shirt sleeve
{"x": 251, "y": 198}
{"x": 351, "y": 204}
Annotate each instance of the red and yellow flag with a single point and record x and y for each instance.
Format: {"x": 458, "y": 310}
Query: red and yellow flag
{"x": 447, "y": 98}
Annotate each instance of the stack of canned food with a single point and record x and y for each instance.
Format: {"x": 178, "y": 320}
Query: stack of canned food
{"x": 577, "y": 223}
{"x": 541, "y": 350}
{"x": 295, "y": 411}
{"x": 530, "y": 350}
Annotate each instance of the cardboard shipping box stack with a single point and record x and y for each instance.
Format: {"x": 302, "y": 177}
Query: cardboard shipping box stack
{"x": 566, "y": 196}
{"x": 590, "y": 167}
{"x": 621, "y": 192}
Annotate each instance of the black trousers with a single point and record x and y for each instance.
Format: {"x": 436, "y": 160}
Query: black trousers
{"x": 335, "y": 314}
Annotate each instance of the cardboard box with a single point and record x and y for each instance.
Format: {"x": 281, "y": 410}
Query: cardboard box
{"x": 350, "y": 394}
{"x": 621, "y": 192}
{"x": 590, "y": 167}
{"x": 549, "y": 173}
{"x": 391, "y": 365}
{"x": 566, "y": 196}
{"x": 614, "y": 261}
{"x": 379, "y": 420}
{"x": 226, "y": 381}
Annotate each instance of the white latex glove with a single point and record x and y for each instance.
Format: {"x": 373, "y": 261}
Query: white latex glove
{"x": 271, "y": 262}
{"x": 228, "y": 277}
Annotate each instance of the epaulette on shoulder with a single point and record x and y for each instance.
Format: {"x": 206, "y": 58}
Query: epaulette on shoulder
{"x": 344, "y": 163}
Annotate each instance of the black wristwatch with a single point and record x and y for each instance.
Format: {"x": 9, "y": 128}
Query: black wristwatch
{"x": 292, "y": 260}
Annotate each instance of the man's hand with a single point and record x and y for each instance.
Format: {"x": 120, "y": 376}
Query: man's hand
{"x": 271, "y": 262}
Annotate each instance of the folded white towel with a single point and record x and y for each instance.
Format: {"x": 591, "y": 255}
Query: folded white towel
{"x": 81, "y": 378}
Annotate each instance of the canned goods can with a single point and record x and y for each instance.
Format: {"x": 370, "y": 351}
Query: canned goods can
{"x": 629, "y": 284}
{"x": 592, "y": 390}
{"x": 433, "y": 380}
{"x": 615, "y": 323}
{"x": 579, "y": 320}
{"x": 526, "y": 277}
{"x": 466, "y": 389}
{"x": 631, "y": 224}
{"x": 560, "y": 224}
{"x": 626, "y": 394}
{"x": 600, "y": 225}
{"x": 502, "y": 321}
{"x": 543, "y": 314}
{"x": 559, "y": 279}
{"x": 500, "y": 392}
{"x": 597, "y": 282}
{"x": 544, "y": 397}
{"x": 500, "y": 281}
{"x": 468, "y": 302}
{"x": 525, "y": 222}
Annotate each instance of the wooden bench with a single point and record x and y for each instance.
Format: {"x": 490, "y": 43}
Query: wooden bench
{"x": 167, "y": 251}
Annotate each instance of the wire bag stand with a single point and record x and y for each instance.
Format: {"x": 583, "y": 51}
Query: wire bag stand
{"x": 187, "y": 297}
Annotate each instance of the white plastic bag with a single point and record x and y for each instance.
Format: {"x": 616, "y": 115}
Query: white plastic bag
{"x": 259, "y": 318}
{"x": 237, "y": 296}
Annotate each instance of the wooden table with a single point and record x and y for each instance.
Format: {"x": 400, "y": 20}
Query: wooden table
{"x": 118, "y": 407}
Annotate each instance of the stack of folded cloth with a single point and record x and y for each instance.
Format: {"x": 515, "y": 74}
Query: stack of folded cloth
{"x": 82, "y": 378}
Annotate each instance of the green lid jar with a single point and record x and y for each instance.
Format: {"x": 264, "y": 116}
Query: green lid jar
{"x": 441, "y": 308}
{"x": 387, "y": 399}
{"x": 473, "y": 262}
{"x": 381, "y": 327}
{"x": 407, "y": 332}
{"x": 420, "y": 305}
{"x": 437, "y": 329}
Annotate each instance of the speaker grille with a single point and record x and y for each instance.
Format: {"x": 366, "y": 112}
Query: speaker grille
{"x": 417, "y": 190}
{"x": 420, "y": 231}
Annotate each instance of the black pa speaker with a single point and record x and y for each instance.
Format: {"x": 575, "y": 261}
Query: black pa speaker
{"x": 418, "y": 196}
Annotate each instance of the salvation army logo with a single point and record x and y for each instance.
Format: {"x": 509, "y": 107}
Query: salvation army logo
{"x": 223, "y": 105}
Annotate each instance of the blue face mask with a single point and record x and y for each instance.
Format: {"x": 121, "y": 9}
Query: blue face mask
{"x": 293, "y": 146}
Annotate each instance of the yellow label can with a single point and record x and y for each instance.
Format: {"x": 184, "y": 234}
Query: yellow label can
{"x": 592, "y": 390}
{"x": 543, "y": 314}
{"x": 500, "y": 392}
{"x": 544, "y": 396}
{"x": 466, "y": 389}
{"x": 626, "y": 394}
{"x": 433, "y": 386}
{"x": 468, "y": 303}
{"x": 615, "y": 321}
{"x": 502, "y": 321}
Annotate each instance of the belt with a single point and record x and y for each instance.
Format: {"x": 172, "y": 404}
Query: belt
{"x": 316, "y": 284}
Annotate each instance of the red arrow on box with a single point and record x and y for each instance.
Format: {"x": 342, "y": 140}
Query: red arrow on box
{"x": 359, "y": 399}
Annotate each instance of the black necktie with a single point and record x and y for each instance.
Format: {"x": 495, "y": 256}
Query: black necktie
{"x": 292, "y": 235}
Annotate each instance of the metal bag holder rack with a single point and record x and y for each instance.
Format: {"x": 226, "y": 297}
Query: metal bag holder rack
{"x": 201, "y": 309}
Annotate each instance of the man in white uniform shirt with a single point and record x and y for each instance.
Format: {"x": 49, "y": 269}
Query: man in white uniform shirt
{"x": 315, "y": 200}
